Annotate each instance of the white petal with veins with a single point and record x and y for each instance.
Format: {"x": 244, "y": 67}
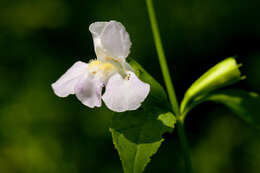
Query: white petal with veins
{"x": 110, "y": 40}
{"x": 88, "y": 91}
{"x": 66, "y": 83}
{"x": 125, "y": 94}
{"x": 97, "y": 28}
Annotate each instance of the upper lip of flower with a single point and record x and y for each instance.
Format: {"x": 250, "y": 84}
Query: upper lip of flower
{"x": 110, "y": 40}
{"x": 124, "y": 91}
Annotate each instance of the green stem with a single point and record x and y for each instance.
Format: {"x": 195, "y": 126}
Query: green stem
{"x": 162, "y": 59}
{"x": 184, "y": 145}
{"x": 169, "y": 84}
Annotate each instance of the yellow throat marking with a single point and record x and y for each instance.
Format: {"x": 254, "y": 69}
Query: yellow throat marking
{"x": 96, "y": 65}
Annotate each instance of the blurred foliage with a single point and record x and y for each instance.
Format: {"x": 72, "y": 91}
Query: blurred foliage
{"x": 40, "y": 39}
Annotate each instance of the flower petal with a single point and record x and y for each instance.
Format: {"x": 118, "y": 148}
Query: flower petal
{"x": 125, "y": 94}
{"x": 110, "y": 40}
{"x": 66, "y": 83}
{"x": 88, "y": 91}
{"x": 97, "y": 28}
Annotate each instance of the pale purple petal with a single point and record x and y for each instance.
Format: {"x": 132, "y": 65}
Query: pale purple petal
{"x": 88, "y": 91}
{"x": 125, "y": 94}
{"x": 110, "y": 40}
{"x": 66, "y": 83}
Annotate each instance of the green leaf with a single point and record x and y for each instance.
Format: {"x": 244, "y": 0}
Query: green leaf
{"x": 223, "y": 74}
{"x": 137, "y": 135}
{"x": 245, "y": 104}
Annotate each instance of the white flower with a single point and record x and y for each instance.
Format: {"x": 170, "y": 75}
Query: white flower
{"x": 124, "y": 91}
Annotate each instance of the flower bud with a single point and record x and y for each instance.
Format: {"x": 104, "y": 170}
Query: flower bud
{"x": 223, "y": 74}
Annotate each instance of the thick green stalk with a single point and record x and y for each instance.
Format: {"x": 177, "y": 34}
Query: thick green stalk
{"x": 169, "y": 85}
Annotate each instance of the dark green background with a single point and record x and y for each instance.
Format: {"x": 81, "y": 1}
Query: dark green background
{"x": 40, "y": 39}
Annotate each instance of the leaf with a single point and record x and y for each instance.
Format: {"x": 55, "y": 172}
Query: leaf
{"x": 223, "y": 74}
{"x": 137, "y": 135}
{"x": 245, "y": 104}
